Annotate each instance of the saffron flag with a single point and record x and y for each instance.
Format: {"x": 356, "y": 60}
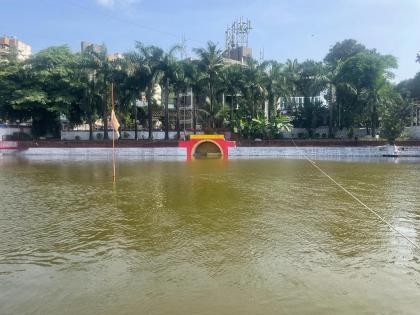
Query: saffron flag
{"x": 114, "y": 123}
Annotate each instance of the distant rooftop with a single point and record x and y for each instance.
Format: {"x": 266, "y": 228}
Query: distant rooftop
{"x": 10, "y": 43}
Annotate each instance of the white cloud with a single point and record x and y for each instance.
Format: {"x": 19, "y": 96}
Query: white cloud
{"x": 116, "y": 3}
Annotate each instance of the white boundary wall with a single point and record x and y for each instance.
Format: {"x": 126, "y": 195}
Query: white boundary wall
{"x": 125, "y": 135}
{"x": 8, "y": 131}
{"x": 233, "y": 152}
{"x": 86, "y": 152}
{"x": 412, "y": 132}
{"x": 321, "y": 151}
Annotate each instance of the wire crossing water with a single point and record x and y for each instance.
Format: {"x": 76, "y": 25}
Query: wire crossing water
{"x": 208, "y": 236}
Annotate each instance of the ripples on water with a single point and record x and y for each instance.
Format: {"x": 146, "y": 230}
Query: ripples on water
{"x": 239, "y": 236}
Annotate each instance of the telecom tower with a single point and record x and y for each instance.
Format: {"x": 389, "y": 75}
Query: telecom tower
{"x": 237, "y": 40}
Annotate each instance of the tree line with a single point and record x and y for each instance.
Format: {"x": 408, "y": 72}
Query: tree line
{"x": 254, "y": 99}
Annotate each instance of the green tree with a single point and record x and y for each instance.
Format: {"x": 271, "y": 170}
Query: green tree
{"x": 254, "y": 88}
{"x": 170, "y": 71}
{"x": 343, "y": 51}
{"x": 337, "y": 56}
{"x": 43, "y": 89}
{"x": 367, "y": 73}
{"x": 231, "y": 85}
{"x": 102, "y": 73}
{"x": 197, "y": 81}
{"x": 89, "y": 90}
{"x": 277, "y": 85}
{"x": 307, "y": 79}
{"x": 150, "y": 59}
{"x": 395, "y": 113}
{"x": 12, "y": 77}
{"x": 181, "y": 84}
{"x": 211, "y": 65}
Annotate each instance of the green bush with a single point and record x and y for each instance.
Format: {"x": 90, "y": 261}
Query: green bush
{"x": 324, "y": 136}
{"x": 99, "y": 136}
{"x": 77, "y": 138}
{"x": 317, "y": 135}
{"x": 126, "y": 135}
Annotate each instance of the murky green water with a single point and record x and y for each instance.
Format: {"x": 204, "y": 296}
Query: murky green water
{"x": 207, "y": 237}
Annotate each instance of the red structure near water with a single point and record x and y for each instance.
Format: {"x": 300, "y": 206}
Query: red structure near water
{"x": 8, "y": 145}
{"x": 213, "y": 144}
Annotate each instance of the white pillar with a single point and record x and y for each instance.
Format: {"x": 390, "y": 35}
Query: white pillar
{"x": 266, "y": 109}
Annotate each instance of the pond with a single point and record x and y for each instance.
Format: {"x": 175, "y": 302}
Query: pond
{"x": 207, "y": 237}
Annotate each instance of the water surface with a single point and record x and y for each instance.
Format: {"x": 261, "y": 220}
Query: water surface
{"x": 207, "y": 237}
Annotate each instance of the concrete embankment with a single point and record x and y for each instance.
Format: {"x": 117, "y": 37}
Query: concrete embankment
{"x": 87, "y": 152}
{"x": 322, "y": 151}
{"x": 233, "y": 152}
{"x": 244, "y": 148}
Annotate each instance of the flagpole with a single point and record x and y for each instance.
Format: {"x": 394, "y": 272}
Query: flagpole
{"x": 113, "y": 133}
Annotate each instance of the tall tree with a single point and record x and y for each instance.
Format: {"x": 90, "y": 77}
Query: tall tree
{"x": 44, "y": 88}
{"x": 131, "y": 81}
{"x": 276, "y": 85}
{"x": 211, "y": 64}
{"x": 395, "y": 113}
{"x": 337, "y": 56}
{"x": 180, "y": 85}
{"x": 254, "y": 88}
{"x": 102, "y": 74}
{"x": 367, "y": 73}
{"x": 170, "y": 71}
{"x": 343, "y": 51}
{"x": 196, "y": 80}
{"x": 231, "y": 85}
{"x": 150, "y": 58}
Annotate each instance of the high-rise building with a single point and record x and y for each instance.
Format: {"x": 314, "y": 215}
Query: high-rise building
{"x": 92, "y": 47}
{"x": 115, "y": 56}
{"x": 10, "y": 44}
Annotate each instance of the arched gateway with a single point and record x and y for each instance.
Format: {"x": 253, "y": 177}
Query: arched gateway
{"x": 207, "y": 146}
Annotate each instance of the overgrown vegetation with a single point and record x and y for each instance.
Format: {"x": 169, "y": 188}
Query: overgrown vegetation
{"x": 255, "y": 100}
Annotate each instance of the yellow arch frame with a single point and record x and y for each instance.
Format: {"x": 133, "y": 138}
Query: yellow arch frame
{"x": 203, "y": 141}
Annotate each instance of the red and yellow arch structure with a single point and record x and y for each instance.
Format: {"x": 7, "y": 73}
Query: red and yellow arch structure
{"x": 209, "y": 143}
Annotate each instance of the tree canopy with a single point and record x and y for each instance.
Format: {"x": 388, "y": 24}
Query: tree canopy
{"x": 356, "y": 82}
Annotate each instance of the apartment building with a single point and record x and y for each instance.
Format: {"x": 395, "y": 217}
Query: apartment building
{"x": 10, "y": 44}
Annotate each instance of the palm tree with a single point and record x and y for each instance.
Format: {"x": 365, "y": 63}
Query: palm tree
{"x": 100, "y": 72}
{"x": 180, "y": 85}
{"x": 277, "y": 84}
{"x": 291, "y": 72}
{"x": 211, "y": 64}
{"x": 150, "y": 58}
{"x": 255, "y": 87}
{"x": 231, "y": 85}
{"x": 131, "y": 82}
{"x": 331, "y": 76}
{"x": 89, "y": 90}
{"x": 194, "y": 78}
{"x": 168, "y": 66}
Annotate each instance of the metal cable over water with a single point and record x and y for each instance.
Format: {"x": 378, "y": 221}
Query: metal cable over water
{"x": 356, "y": 198}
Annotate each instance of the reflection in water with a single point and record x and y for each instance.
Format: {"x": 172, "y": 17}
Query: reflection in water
{"x": 211, "y": 236}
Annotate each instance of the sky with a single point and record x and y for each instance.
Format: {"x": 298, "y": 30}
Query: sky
{"x": 282, "y": 29}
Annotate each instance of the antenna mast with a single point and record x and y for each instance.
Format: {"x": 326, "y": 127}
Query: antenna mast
{"x": 236, "y": 35}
